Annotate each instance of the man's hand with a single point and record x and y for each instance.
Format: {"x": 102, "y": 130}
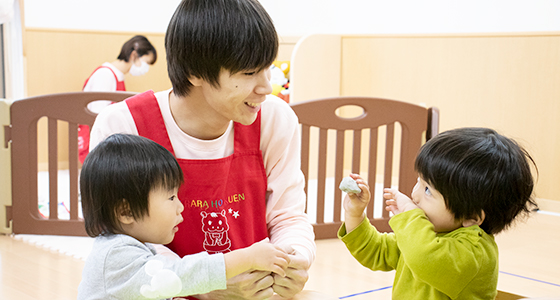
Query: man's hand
{"x": 253, "y": 285}
{"x": 296, "y": 275}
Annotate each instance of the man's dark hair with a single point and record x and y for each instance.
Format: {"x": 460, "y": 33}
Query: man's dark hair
{"x": 206, "y": 36}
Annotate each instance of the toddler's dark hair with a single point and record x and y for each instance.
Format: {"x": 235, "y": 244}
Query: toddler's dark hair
{"x": 477, "y": 169}
{"x": 122, "y": 170}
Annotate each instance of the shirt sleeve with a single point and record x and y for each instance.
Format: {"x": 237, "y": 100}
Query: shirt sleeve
{"x": 114, "y": 118}
{"x": 102, "y": 80}
{"x": 446, "y": 262}
{"x": 374, "y": 250}
{"x": 281, "y": 146}
{"x": 131, "y": 272}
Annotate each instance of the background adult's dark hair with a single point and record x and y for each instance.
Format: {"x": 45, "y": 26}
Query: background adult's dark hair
{"x": 477, "y": 169}
{"x": 205, "y": 36}
{"x": 141, "y": 45}
{"x": 122, "y": 170}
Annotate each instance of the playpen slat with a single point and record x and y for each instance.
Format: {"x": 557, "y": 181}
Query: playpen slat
{"x": 321, "y": 175}
{"x": 31, "y": 177}
{"x": 305, "y": 158}
{"x": 25, "y": 194}
{"x": 408, "y": 157}
{"x": 372, "y": 168}
{"x": 388, "y": 174}
{"x": 73, "y": 169}
{"x": 53, "y": 168}
{"x": 338, "y": 169}
{"x": 356, "y": 151}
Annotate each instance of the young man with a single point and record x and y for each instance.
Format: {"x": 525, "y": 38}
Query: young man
{"x": 238, "y": 152}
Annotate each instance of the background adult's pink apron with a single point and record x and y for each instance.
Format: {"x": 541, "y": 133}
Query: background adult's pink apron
{"x": 83, "y": 130}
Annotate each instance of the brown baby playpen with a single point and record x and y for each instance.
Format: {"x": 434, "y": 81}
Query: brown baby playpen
{"x": 51, "y": 119}
{"x": 45, "y": 197}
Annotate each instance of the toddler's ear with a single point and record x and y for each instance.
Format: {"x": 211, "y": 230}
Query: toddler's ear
{"x": 124, "y": 214}
{"x": 474, "y": 221}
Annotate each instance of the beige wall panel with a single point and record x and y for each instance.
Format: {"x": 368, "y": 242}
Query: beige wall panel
{"x": 509, "y": 83}
{"x": 286, "y": 47}
{"x": 315, "y": 68}
{"x": 60, "y": 61}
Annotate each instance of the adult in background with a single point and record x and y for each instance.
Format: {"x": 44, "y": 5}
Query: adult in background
{"x": 135, "y": 58}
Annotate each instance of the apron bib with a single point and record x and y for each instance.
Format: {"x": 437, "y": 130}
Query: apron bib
{"x": 224, "y": 199}
{"x": 83, "y": 130}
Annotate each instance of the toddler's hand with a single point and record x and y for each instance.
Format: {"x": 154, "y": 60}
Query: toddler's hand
{"x": 354, "y": 204}
{"x": 397, "y": 202}
{"x": 268, "y": 257}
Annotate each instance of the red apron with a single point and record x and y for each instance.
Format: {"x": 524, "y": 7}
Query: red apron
{"x": 225, "y": 199}
{"x": 83, "y": 130}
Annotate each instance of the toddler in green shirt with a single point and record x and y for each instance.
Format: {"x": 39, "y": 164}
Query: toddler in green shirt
{"x": 472, "y": 184}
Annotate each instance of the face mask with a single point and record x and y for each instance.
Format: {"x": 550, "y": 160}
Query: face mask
{"x": 139, "y": 70}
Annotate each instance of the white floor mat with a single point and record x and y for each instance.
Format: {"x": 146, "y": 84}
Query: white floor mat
{"x": 77, "y": 247}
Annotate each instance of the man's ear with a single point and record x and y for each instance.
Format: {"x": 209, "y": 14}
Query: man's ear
{"x": 474, "y": 221}
{"x": 196, "y": 81}
{"x": 124, "y": 213}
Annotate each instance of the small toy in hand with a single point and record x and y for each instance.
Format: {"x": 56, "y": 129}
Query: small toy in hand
{"x": 349, "y": 185}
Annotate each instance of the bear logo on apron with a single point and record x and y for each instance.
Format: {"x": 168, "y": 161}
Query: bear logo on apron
{"x": 215, "y": 228}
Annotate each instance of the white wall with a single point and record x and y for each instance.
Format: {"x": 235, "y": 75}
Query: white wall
{"x": 13, "y": 51}
{"x": 302, "y": 17}
{"x": 106, "y": 15}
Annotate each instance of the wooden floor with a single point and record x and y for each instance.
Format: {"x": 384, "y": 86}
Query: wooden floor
{"x": 29, "y": 272}
{"x": 529, "y": 266}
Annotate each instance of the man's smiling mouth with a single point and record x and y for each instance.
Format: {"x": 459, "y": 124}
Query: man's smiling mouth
{"x": 252, "y": 104}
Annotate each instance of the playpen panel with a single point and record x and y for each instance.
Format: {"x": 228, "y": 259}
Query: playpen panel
{"x": 69, "y": 109}
{"x": 385, "y": 135}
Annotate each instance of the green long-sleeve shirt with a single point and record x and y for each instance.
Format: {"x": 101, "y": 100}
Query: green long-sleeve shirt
{"x": 462, "y": 264}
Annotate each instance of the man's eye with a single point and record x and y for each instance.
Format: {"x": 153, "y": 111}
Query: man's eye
{"x": 427, "y": 191}
{"x": 172, "y": 197}
{"x": 249, "y": 73}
